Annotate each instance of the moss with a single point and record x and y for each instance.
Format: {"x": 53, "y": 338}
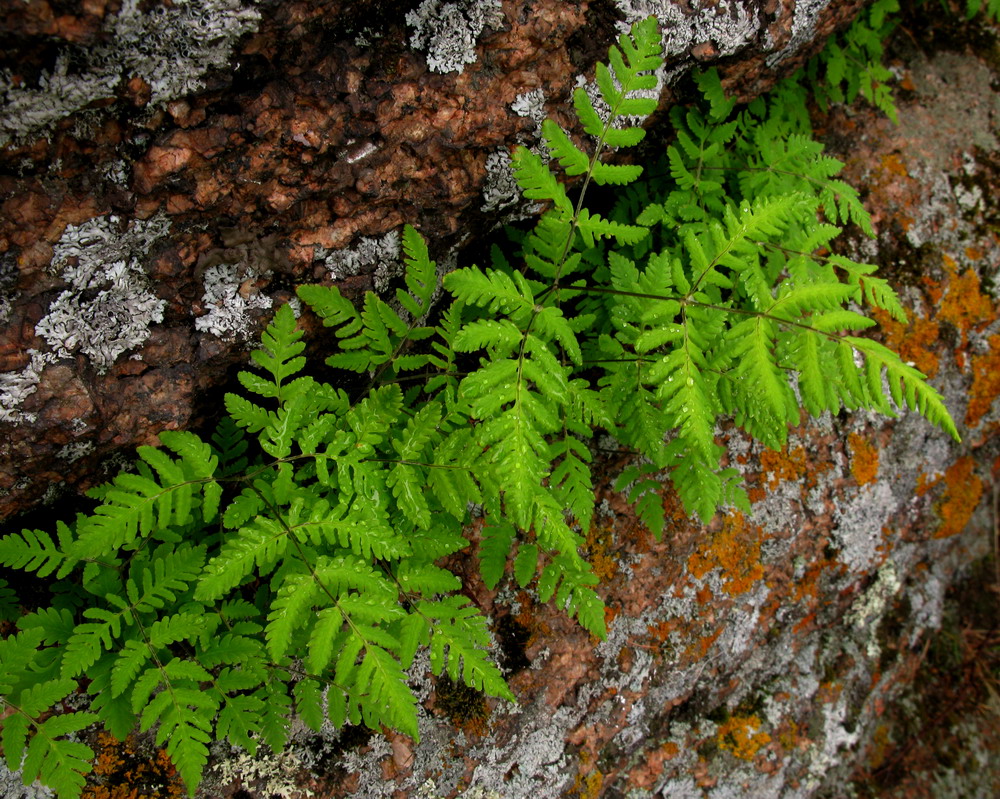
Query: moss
{"x": 513, "y": 638}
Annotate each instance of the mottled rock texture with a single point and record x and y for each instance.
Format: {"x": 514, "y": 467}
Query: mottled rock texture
{"x": 761, "y": 656}
{"x": 168, "y": 171}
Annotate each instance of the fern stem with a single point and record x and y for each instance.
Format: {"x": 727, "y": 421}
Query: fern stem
{"x": 788, "y": 172}
{"x": 688, "y": 301}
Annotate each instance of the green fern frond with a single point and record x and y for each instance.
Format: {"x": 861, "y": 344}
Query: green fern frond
{"x": 239, "y": 719}
{"x": 907, "y": 385}
{"x": 381, "y": 695}
{"x": 494, "y": 549}
{"x": 458, "y": 645}
{"x": 537, "y": 182}
{"x": 420, "y": 274}
{"x": 59, "y": 763}
{"x": 708, "y": 81}
{"x": 491, "y": 289}
{"x": 571, "y": 158}
{"x": 34, "y": 550}
{"x": 280, "y": 354}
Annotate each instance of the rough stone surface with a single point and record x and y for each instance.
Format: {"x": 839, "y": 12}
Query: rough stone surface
{"x": 169, "y": 171}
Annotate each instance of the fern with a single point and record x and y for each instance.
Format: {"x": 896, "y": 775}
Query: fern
{"x": 706, "y": 292}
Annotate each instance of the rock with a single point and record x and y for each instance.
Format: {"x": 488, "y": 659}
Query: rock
{"x": 755, "y": 657}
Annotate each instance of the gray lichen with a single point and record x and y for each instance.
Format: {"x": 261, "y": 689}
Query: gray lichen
{"x": 170, "y": 47}
{"x": 501, "y": 190}
{"x": 109, "y": 305}
{"x": 532, "y": 106}
{"x": 233, "y": 276}
{"x": 447, "y": 31}
{"x": 726, "y": 24}
{"x": 804, "y": 19}
{"x": 12, "y": 786}
{"x": 378, "y": 254}
{"x": 8, "y": 282}
{"x": 228, "y": 305}
{"x": 17, "y": 386}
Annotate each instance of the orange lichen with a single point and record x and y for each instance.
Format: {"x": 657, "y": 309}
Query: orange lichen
{"x": 892, "y": 163}
{"x": 587, "y": 787}
{"x": 806, "y": 624}
{"x": 925, "y": 484}
{"x": 783, "y": 465}
{"x": 880, "y": 746}
{"x": 985, "y": 382}
{"x": 121, "y": 772}
{"x": 913, "y": 341}
{"x": 790, "y": 736}
{"x": 963, "y": 490}
{"x": 864, "y": 459}
{"x": 735, "y": 549}
{"x": 737, "y": 735}
{"x": 700, "y": 648}
{"x": 964, "y": 305}
{"x": 599, "y": 548}
{"x": 647, "y": 773}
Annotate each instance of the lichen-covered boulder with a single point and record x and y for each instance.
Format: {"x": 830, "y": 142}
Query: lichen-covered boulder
{"x": 168, "y": 171}
{"x": 760, "y": 656}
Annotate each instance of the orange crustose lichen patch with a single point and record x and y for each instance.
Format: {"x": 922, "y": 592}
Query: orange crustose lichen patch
{"x": 985, "y": 382}
{"x": 782, "y": 465}
{"x": 963, "y": 490}
{"x": 914, "y": 341}
{"x": 864, "y": 459}
{"x": 587, "y": 786}
{"x": 738, "y": 735}
{"x": 121, "y": 772}
{"x": 600, "y": 543}
{"x": 964, "y": 305}
{"x": 735, "y": 549}
{"x": 894, "y": 164}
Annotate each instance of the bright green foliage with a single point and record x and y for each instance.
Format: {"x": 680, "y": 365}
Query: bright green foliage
{"x": 293, "y": 563}
{"x": 990, "y": 8}
{"x": 851, "y": 63}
